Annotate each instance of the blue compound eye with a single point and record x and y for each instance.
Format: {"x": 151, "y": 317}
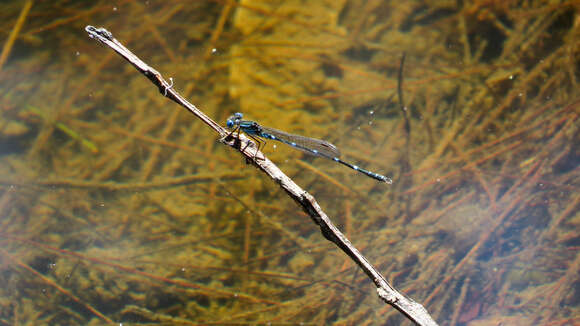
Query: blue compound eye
{"x": 238, "y": 115}
{"x": 229, "y": 123}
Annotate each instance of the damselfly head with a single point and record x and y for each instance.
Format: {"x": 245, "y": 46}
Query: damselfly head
{"x": 234, "y": 120}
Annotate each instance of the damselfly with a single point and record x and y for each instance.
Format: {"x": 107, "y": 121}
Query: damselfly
{"x": 311, "y": 146}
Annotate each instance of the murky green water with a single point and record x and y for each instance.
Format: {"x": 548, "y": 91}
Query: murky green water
{"x": 117, "y": 206}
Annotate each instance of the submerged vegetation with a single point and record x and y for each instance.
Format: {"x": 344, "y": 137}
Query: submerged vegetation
{"x": 116, "y": 206}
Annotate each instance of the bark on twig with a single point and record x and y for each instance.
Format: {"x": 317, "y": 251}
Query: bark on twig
{"x": 411, "y": 309}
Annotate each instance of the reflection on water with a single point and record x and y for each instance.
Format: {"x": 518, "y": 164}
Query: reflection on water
{"x": 116, "y": 206}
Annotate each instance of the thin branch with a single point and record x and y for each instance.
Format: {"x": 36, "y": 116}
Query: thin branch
{"x": 129, "y": 186}
{"x": 14, "y": 32}
{"x": 411, "y": 309}
{"x": 406, "y": 179}
{"x": 400, "y": 94}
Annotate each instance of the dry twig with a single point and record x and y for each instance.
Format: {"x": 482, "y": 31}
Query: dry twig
{"x": 411, "y": 309}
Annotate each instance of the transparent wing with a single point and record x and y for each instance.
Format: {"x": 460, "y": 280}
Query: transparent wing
{"x": 311, "y": 146}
